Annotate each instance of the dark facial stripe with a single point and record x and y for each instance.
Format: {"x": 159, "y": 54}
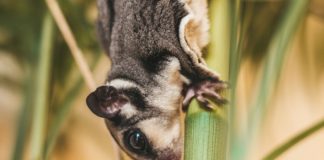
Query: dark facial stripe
{"x": 149, "y": 113}
{"x": 156, "y": 61}
{"x": 135, "y": 96}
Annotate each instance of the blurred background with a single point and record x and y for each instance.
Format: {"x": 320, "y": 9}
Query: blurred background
{"x": 72, "y": 132}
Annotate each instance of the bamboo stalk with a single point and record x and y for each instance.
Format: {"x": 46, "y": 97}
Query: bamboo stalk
{"x": 206, "y": 131}
{"x": 42, "y": 89}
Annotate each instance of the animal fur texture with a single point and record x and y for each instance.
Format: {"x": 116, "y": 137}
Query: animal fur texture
{"x": 155, "y": 49}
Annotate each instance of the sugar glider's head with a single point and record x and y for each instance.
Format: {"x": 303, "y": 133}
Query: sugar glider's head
{"x": 141, "y": 130}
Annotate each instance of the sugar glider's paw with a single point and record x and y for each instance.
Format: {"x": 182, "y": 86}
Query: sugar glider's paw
{"x": 204, "y": 91}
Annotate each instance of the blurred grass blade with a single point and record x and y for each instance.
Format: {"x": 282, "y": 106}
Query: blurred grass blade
{"x": 271, "y": 72}
{"x": 61, "y": 116}
{"x": 235, "y": 40}
{"x": 69, "y": 38}
{"x": 275, "y": 59}
{"x": 42, "y": 89}
{"x": 206, "y": 131}
{"x": 23, "y": 122}
{"x": 63, "y": 112}
{"x": 290, "y": 143}
{"x": 234, "y": 64}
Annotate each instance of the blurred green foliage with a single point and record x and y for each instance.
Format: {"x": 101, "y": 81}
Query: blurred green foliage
{"x": 259, "y": 20}
{"x": 20, "y": 22}
{"x": 20, "y": 30}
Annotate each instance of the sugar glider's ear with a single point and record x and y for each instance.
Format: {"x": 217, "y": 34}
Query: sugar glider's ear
{"x": 195, "y": 26}
{"x": 105, "y": 21}
{"x": 193, "y": 34}
{"x": 106, "y": 102}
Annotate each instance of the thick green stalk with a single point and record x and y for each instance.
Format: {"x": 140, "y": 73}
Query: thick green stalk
{"x": 206, "y": 134}
{"x": 291, "y": 142}
{"x": 42, "y": 89}
{"x": 206, "y": 131}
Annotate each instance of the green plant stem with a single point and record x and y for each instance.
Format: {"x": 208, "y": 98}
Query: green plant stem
{"x": 42, "y": 89}
{"x": 206, "y": 131}
{"x": 206, "y": 134}
{"x": 291, "y": 142}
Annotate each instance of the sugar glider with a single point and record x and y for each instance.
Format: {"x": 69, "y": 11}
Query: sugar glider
{"x": 157, "y": 67}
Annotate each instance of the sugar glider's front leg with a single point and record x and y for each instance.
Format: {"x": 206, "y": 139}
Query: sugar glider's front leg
{"x": 202, "y": 91}
{"x": 193, "y": 34}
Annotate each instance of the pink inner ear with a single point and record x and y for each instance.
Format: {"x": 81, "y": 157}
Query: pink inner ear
{"x": 112, "y": 107}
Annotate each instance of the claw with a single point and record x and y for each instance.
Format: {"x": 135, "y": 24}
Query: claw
{"x": 205, "y": 102}
{"x": 212, "y": 94}
{"x": 215, "y": 97}
{"x": 186, "y": 101}
{"x": 205, "y": 91}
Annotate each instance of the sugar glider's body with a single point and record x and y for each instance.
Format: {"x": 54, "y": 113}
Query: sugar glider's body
{"x": 155, "y": 49}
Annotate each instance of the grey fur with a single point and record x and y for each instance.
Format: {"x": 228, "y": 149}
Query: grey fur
{"x": 132, "y": 30}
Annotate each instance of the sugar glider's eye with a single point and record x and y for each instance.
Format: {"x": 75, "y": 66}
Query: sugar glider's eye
{"x": 136, "y": 141}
